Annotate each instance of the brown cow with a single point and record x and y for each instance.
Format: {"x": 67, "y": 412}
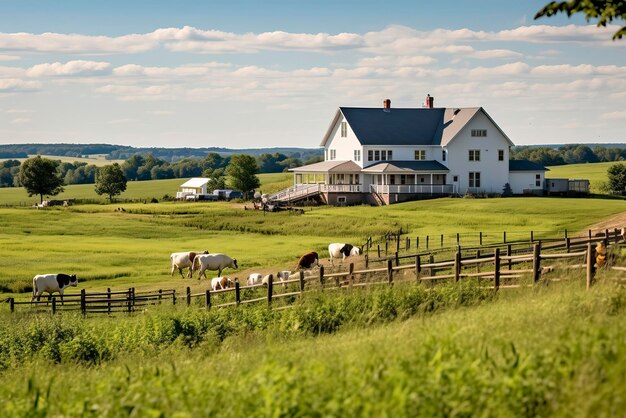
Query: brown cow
{"x": 308, "y": 260}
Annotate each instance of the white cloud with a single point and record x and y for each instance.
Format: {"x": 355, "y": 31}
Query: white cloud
{"x": 122, "y": 121}
{"x": 4, "y": 57}
{"x": 19, "y": 121}
{"x": 500, "y": 70}
{"x": 613, "y": 115}
{"x": 19, "y": 111}
{"x": 13, "y": 85}
{"x": 70, "y": 68}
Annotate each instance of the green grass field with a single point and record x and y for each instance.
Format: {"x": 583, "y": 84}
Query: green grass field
{"x": 96, "y": 159}
{"x": 595, "y": 172}
{"x": 136, "y": 190}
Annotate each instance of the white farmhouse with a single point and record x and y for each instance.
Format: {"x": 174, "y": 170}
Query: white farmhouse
{"x": 388, "y": 155}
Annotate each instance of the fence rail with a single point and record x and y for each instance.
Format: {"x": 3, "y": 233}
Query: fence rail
{"x": 501, "y": 260}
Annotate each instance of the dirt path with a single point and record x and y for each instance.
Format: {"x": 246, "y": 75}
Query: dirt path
{"x": 617, "y": 221}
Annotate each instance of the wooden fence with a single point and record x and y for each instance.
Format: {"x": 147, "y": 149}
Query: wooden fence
{"x": 502, "y": 272}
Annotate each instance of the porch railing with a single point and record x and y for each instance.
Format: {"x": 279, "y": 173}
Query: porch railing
{"x": 412, "y": 188}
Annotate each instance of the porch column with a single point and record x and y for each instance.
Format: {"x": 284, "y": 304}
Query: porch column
{"x": 294, "y": 178}
{"x": 431, "y": 183}
{"x": 315, "y": 178}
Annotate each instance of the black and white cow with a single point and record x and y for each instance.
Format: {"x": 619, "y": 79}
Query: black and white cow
{"x": 52, "y": 283}
{"x": 336, "y": 250}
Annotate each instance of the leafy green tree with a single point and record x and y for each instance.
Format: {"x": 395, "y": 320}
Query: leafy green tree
{"x": 131, "y": 165}
{"x": 605, "y": 11}
{"x": 242, "y": 171}
{"x": 617, "y": 178}
{"x": 110, "y": 180}
{"x": 217, "y": 179}
{"x": 40, "y": 176}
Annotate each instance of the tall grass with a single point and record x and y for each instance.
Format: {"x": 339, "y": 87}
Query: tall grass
{"x": 393, "y": 352}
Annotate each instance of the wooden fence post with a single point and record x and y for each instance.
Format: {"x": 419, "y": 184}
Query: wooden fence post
{"x": 351, "y": 273}
{"x": 207, "y": 299}
{"x": 441, "y": 243}
{"x": 417, "y": 243}
{"x": 378, "y": 250}
{"x": 457, "y": 265}
{"x": 237, "y": 292}
{"x": 322, "y": 276}
{"x": 83, "y": 302}
{"x": 389, "y": 271}
{"x": 508, "y": 252}
{"x": 458, "y": 238}
{"x": 132, "y": 299}
{"x": 160, "y": 295}
{"x": 480, "y": 238}
{"x": 431, "y": 260}
{"x": 386, "y": 247}
{"x": 532, "y": 236}
{"x": 270, "y": 289}
{"x": 54, "y": 305}
{"x": 398, "y": 242}
{"x": 496, "y": 274}
{"x": 536, "y": 262}
{"x": 418, "y": 267}
{"x": 188, "y": 296}
{"x": 590, "y": 270}
{"x": 12, "y": 304}
{"x": 173, "y": 296}
{"x": 407, "y": 244}
{"x": 565, "y": 233}
{"x": 504, "y": 237}
{"x": 567, "y": 244}
{"x": 397, "y": 259}
{"x": 606, "y": 237}
{"x": 301, "y": 281}
{"x": 367, "y": 261}
{"x": 590, "y": 234}
{"x": 129, "y": 298}
{"x": 616, "y": 232}
{"x": 108, "y": 300}
{"x": 426, "y": 241}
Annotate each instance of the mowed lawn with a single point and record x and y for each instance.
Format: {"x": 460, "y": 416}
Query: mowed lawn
{"x": 136, "y": 190}
{"x": 594, "y": 172}
{"x": 111, "y": 248}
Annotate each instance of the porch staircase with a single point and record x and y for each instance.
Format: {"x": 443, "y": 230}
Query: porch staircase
{"x": 377, "y": 197}
{"x": 296, "y": 193}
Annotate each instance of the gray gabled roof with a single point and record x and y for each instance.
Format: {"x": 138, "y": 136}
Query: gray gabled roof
{"x": 395, "y": 166}
{"x": 409, "y": 126}
{"x": 328, "y": 166}
{"x": 525, "y": 165}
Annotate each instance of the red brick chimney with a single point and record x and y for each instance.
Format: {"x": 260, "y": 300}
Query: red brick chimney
{"x": 387, "y": 104}
{"x": 430, "y": 101}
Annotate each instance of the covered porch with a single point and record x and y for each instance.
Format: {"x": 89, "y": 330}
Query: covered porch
{"x": 409, "y": 177}
{"x": 329, "y": 176}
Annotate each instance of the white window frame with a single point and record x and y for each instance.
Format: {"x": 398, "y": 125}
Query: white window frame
{"x": 479, "y": 133}
{"x": 370, "y": 155}
{"x": 389, "y": 155}
{"x": 419, "y": 155}
{"x": 357, "y": 155}
{"x": 474, "y": 155}
{"x": 474, "y": 180}
{"x": 344, "y": 129}
{"x": 333, "y": 154}
{"x": 500, "y": 155}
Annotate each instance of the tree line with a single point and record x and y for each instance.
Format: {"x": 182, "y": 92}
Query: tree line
{"x": 568, "y": 154}
{"x": 138, "y": 168}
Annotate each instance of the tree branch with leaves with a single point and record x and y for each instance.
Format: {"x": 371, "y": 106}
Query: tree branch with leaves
{"x": 605, "y": 11}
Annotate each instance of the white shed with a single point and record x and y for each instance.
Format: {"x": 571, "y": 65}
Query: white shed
{"x": 193, "y": 186}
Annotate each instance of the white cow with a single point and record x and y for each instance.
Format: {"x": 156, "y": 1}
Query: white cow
{"x": 219, "y": 283}
{"x": 266, "y": 279}
{"x": 336, "y": 250}
{"x": 183, "y": 260}
{"x": 255, "y": 278}
{"x": 52, "y": 283}
{"x": 219, "y": 262}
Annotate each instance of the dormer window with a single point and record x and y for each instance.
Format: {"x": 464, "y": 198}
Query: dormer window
{"x": 420, "y": 154}
{"x": 479, "y": 133}
{"x": 344, "y": 129}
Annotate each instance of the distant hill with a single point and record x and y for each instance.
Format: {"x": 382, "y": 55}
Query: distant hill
{"x": 121, "y": 152}
{"x": 555, "y": 146}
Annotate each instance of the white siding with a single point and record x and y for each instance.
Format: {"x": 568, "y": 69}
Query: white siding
{"x": 344, "y": 146}
{"x": 521, "y": 181}
{"x": 404, "y": 152}
{"x": 493, "y": 173}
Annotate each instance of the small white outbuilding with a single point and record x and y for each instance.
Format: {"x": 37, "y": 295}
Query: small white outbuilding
{"x": 193, "y": 186}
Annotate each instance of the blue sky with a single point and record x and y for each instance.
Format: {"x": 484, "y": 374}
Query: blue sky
{"x": 250, "y": 73}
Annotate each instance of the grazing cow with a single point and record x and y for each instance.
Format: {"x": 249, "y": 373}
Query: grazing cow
{"x": 337, "y": 250}
{"x": 52, "y": 283}
{"x": 255, "y": 278}
{"x": 308, "y": 260}
{"x": 219, "y": 283}
{"x": 219, "y": 262}
{"x": 184, "y": 260}
{"x": 283, "y": 275}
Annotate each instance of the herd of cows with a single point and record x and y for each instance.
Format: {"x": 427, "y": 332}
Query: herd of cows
{"x": 201, "y": 262}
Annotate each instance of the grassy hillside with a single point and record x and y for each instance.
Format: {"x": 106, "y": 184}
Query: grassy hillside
{"x": 109, "y": 248}
{"x": 136, "y": 190}
{"x": 595, "y": 172}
